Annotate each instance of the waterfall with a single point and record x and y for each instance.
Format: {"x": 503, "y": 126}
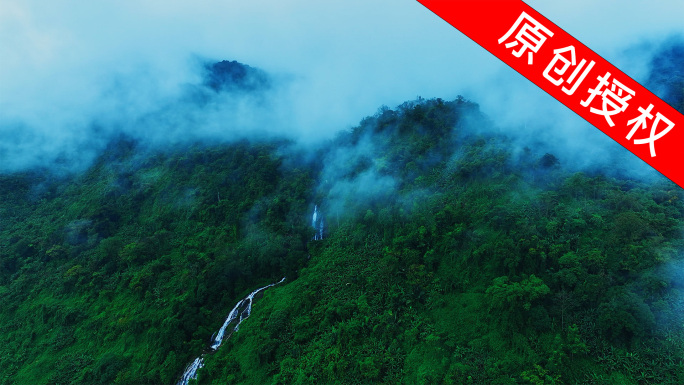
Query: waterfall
{"x": 315, "y": 216}
{"x": 246, "y": 309}
{"x": 318, "y": 224}
{"x": 191, "y": 371}
{"x": 243, "y": 309}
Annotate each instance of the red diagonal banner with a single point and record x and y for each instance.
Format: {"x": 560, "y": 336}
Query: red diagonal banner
{"x": 575, "y": 75}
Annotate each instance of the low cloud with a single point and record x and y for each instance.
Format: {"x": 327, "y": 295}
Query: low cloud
{"x": 75, "y": 74}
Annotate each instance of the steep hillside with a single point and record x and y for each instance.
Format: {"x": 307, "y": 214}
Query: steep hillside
{"x": 473, "y": 266}
{"x": 122, "y": 274}
{"x": 449, "y": 255}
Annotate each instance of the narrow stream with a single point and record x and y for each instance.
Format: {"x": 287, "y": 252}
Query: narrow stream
{"x": 243, "y": 309}
{"x": 317, "y": 224}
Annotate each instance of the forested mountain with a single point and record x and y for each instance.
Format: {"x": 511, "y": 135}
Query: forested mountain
{"x": 474, "y": 266}
{"x": 450, "y": 255}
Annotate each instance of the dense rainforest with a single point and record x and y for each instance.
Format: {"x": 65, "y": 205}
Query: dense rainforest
{"x": 450, "y": 256}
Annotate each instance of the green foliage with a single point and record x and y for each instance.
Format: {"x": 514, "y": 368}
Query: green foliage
{"x": 123, "y": 276}
{"x": 472, "y": 267}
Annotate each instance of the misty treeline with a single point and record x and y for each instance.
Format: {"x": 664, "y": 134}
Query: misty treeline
{"x": 451, "y": 255}
{"x": 447, "y": 260}
{"x": 476, "y": 267}
{"x": 120, "y": 274}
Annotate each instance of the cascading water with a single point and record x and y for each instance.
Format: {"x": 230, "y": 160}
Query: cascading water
{"x": 243, "y": 309}
{"x": 315, "y": 217}
{"x": 191, "y": 371}
{"x": 318, "y": 224}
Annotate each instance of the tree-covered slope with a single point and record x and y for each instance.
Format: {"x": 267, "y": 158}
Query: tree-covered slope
{"x": 122, "y": 274}
{"x": 451, "y": 255}
{"x": 476, "y": 267}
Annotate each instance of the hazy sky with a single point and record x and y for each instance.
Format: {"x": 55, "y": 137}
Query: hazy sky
{"x": 61, "y": 62}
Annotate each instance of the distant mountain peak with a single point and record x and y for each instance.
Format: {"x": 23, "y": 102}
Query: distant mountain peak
{"x": 233, "y": 75}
